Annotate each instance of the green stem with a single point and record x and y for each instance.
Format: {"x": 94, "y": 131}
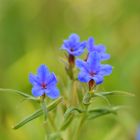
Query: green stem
{"x": 44, "y": 108}
{"x": 45, "y": 111}
{"x": 74, "y": 97}
{"x": 81, "y": 123}
{"x": 52, "y": 123}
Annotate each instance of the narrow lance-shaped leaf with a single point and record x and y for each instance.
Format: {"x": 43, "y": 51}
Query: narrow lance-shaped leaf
{"x": 28, "y": 119}
{"x": 116, "y": 93}
{"x": 98, "y": 112}
{"x": 18, "y": 93}
{"x": 103, "y": 97}
{"x": 37, "y": 113}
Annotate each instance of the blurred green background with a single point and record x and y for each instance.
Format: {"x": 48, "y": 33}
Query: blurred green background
{"x": 31, "y": 33}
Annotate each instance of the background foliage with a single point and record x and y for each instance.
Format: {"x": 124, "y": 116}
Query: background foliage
{"x": 31, "y": 33}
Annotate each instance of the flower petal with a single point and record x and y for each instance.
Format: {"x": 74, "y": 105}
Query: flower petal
{"x": 43, "y": 72}
{"x": 66, "y": 45}
{"x": 98, "y": 79}
{"x": 74, "y": 38}
{"x": 105, "y": 69}
{"x": 90, "y": 46}
{"x": 93, "y": 61}
{"x": 77, "y": 52}
{"x": 138, "y": 133}
{"x": 83, "y": 44}
{"x": 73, "y": 45}
{"x": 37, "y": 91}
{"x": 52, "y": 93}
{"x": 80, "y": 45}
{"x": 83, "y": 77}
{"x": 34, "y": 79}
{"x": 82, "y": 65}
{"x": 105, "y": 56}
{"x": 51, "y": 80}
{"x": 100, "y": 48}
{"x": 68, "y": 49}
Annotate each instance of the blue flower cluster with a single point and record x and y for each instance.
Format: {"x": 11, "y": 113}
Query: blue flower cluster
{"x": 91, "y": 69}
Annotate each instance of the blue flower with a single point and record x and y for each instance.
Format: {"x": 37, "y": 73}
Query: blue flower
{"x": 73, "y": 45}
{"x": 92, "y": 69}
{"x": 44, "y": 83}
{"x": 138, "y": 133}
{"x": 97, "y": 48}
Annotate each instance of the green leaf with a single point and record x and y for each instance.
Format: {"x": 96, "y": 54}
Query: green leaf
{"x": 118, "y": 93}
{"x": 27, "y": 96}
{"x": 37, "y": 113}
{"x": 53, "y": 104}
{"x": 105, "y": 98}
{"x": 98, "y": 112}
{"x": 28, "y": 119}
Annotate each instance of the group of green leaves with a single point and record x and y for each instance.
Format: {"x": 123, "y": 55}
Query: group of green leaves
{"x": 70, "y": 112}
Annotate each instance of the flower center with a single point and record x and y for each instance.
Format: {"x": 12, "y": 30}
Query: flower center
{"x": 92, "y": 73}
{"x": 71, "y": 49}
{"x": 44, "y": 85}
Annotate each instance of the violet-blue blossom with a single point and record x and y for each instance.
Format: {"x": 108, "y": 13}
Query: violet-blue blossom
{"x": 73, "y": 45}
{"x": 97, "y": 48}
{"x": 138, "y": 133}
{"x": 44, "y": 83}
{"x": 92, "y": 69}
